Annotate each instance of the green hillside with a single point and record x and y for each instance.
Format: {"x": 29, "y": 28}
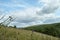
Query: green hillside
{"x": 8, "y": 33}
{"x": 50, "y": 29}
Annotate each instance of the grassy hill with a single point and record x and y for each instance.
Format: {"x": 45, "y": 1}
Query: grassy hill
{"x": 50, "y": 29}
{"x": 8, "y": 33}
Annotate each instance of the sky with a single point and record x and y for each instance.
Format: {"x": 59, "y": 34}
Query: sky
{"x": 30, "y": 12}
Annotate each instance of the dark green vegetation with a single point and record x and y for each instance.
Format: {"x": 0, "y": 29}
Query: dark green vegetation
{"x": 50, "y": 29}
{"x": 12, "y": 33}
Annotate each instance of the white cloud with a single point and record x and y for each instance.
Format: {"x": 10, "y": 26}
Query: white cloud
{"x": 30, "y": 17}
{"x": 34, "y": 15}
{"x": 49, "y": 6}
{"x": 48, "y": 2}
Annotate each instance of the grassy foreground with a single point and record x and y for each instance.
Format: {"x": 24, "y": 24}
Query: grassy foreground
{"x": 20, "y": 34}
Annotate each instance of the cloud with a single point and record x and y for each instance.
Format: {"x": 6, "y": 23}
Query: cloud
{"x": 26, "y": 15}
{"x": 29, "y": 17}
{"x": 50, "y": 6}
{"x": 52, "y": 20}
{"x": 32, "y": 15}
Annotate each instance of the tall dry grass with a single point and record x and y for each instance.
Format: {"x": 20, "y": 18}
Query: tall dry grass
{"x": 20, "y": 34}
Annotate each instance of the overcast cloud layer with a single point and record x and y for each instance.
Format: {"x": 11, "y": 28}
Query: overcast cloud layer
{"x": 31, "y": 12}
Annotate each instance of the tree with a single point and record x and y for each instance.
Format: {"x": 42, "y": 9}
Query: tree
{"x": 14, "y": 26}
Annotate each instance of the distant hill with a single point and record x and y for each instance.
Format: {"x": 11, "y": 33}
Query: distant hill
{"x": 9, "y": 33}
{"x": 50, "y": 29}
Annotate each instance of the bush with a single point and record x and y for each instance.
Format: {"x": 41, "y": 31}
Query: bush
{"x": 14, "y": 26}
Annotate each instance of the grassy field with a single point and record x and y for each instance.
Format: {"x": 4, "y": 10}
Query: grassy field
{"x": 50, "y": 29}
{"x": 20, "y": 34}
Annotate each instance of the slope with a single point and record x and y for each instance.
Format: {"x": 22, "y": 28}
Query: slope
{"x": 8, "y": 33}
{"x": 50, "y": 29}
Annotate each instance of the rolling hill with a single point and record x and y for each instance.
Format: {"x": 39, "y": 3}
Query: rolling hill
{"x": 50, "y": 29}
{"x": 9, "y": 33}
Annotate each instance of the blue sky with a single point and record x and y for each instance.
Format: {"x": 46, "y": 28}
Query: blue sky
{"x": 31, "y": 12}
